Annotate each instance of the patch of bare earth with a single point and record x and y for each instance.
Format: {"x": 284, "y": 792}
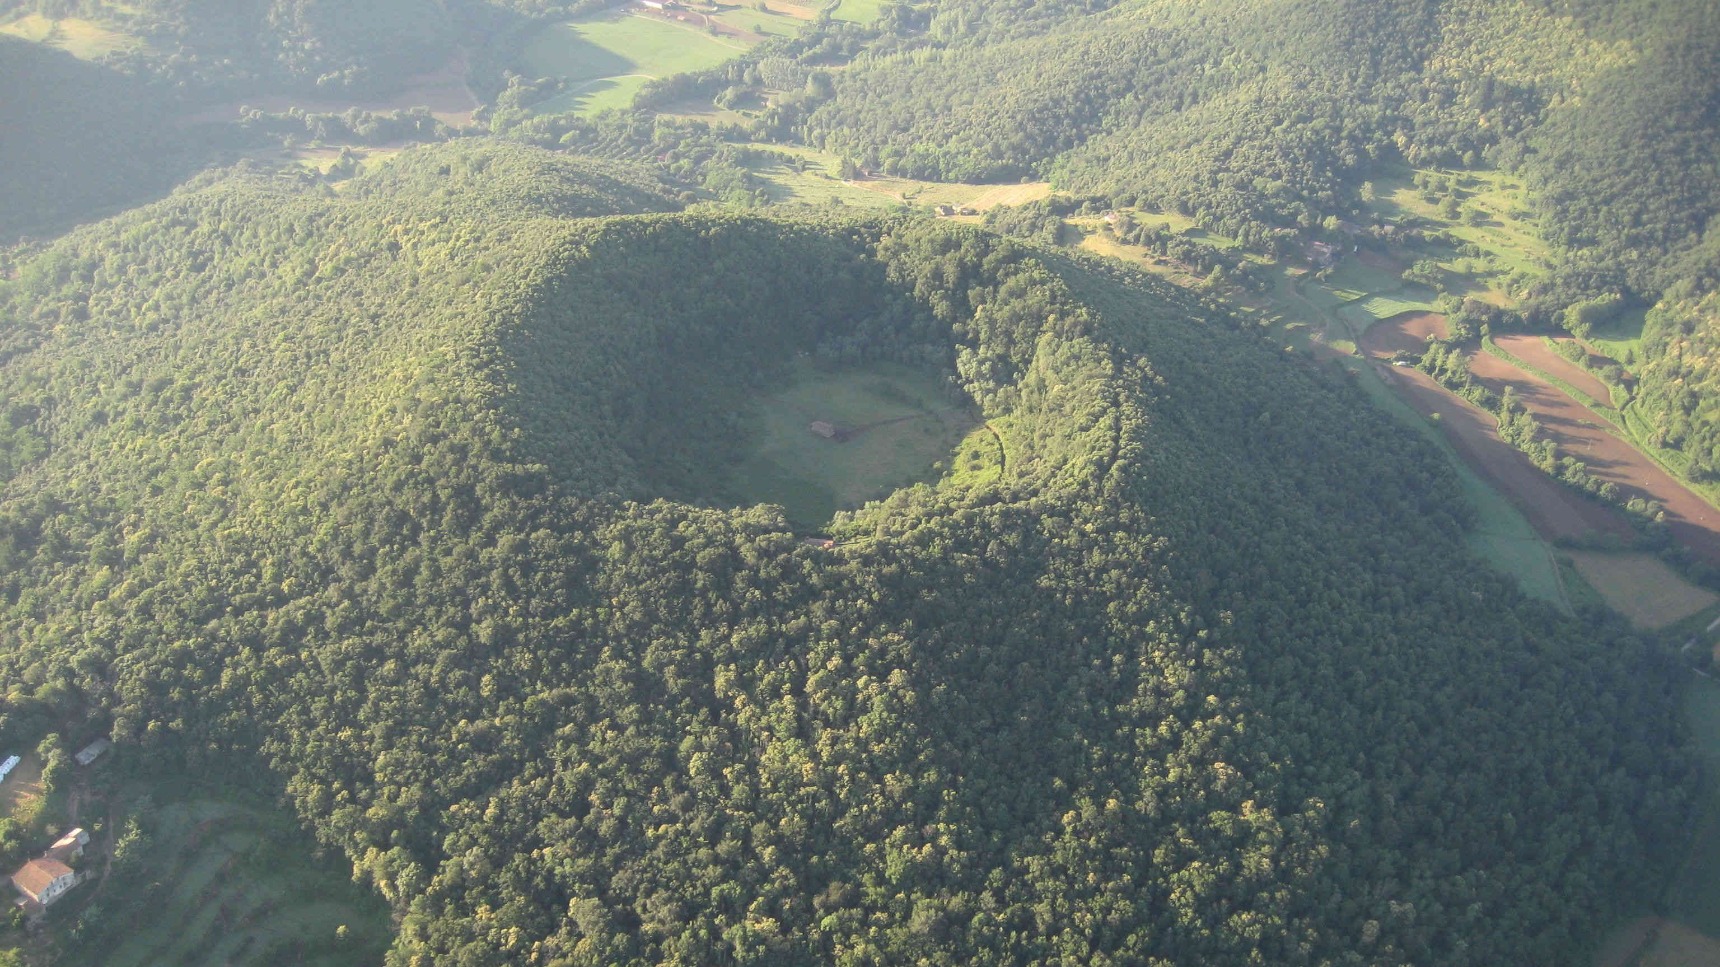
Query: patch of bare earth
{"x": 1555, "y": 511}
{"x": 1581, "y": 434}
{"x": 1534, "y": 351}
{"x": 1406, "y": 332}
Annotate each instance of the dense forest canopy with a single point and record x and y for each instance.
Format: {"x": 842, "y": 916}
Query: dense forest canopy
{"x": 401, "y": 499}
{"x": 397, "y": 491}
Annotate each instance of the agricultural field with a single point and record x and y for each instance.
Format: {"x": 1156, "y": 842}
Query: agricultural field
{"x": 777, "y": 20}
{"x": 1364, "y": 312}
{"x": 83, "y": 39}
{"x": 230, "y": 883}
{"x": 1505, "y": 232}
{"x": 859, "y": 11}
{"x": 605, "y": 62}
{"x": 817, "y": 182}
{"x": 1641, "y": 587}
{"x": 895, "y": 426}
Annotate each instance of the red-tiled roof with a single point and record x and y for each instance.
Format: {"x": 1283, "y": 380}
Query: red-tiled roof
{"x": 37, "y": 875}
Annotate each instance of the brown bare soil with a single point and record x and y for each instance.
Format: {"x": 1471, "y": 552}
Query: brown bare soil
{"x": 1377, "y": 261}
{"x": 1555, "y": 511}
{"x": 1399, "y": 333}
{"x": 1534, "y": 351}
{"x": 1580, "y": 433}
{"x": 443, "y": 91}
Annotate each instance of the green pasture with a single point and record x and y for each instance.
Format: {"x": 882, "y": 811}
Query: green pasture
{"x": 1354, "y": 275}
{"x": 1507, "y": 233}
{"x": 816, "y": 184}
{"x": 859, "y": 11}
{"x": 1620, "y": 339}
{"x": 605, "y": 62}
{"x": 1363, "y": 313}
{"x": 231, "y": 883}
{"x": 756, "y": 21}
{"x": 903, "y": 429}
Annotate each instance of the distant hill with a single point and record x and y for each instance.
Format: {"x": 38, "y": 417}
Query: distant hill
{"x": 404, "y": 495}
{"x": 78, "y": 139}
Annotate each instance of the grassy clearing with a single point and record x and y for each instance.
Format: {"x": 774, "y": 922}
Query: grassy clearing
{"x": 84, "y": 39}
{"x": 773, "y": 22}
{"x": 21, "y": 793}
{"x": 1620, "y": 339}
{"x": 1364, "y": 312}
{"x": 902, "y": 428}
{"x": 232, "y": 883}
{"x": 605, "y": 62}
{"x": 1506, "y": 232}
{"x": 859, "y": 11}
{"x": 979, "y": 459}
{"x": 1641, "y": 587}
{"x": 816, "y": 182}
{"x": 1354, "y": 275}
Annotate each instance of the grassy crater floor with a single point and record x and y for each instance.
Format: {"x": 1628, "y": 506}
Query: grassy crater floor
{"x": 894, "y": 426}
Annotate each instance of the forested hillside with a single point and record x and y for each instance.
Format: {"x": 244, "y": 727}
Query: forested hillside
{"x": 78, "y": 138}
{"x": 402, "y": 494}
{"x": 1267, "y": 121}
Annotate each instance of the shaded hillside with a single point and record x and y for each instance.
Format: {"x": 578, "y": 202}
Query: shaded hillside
{"x": 79, "y": 139}
{"x": 402, "y": 497}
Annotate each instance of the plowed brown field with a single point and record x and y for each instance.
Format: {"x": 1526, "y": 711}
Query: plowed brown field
{"x": 1580, "y": 433}
{"x": 1555, "y": 510}
{"x": 1533, "y": 350}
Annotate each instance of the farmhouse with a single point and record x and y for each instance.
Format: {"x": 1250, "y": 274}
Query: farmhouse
{"x": 68, "y": 847}
{"x": 946, "y": 210}
{"x": 43, "y": 881}
{"x": 93, "y": 751}
{"x": 7, "y": 766}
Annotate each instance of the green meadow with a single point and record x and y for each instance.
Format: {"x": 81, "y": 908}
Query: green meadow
{"x": 897, "y": 427}
{"x": 605, "y": 62}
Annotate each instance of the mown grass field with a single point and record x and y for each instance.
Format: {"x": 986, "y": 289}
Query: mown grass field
{"x": 904, "y": 430}
{"x": 817, "y": 182}
{"x": 1368, "y": 310}
{"x": 1642, "y": 587}
{"x": 774, "y": 22}
{"x": 859, "y": 11}
{"x": 605, "y": 62}
{"x": 230, "y": 883}
{"x": 84, "y": 39}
